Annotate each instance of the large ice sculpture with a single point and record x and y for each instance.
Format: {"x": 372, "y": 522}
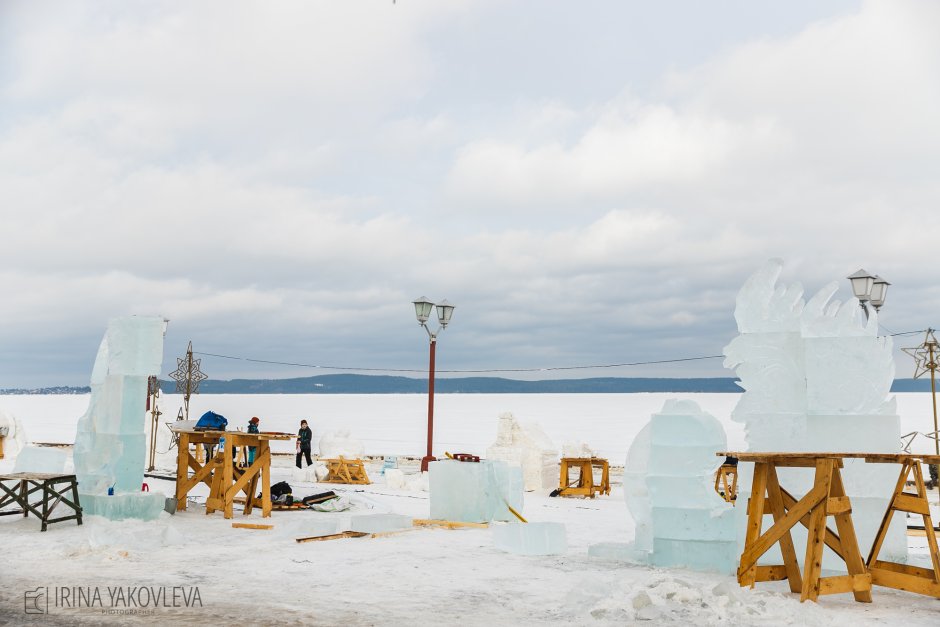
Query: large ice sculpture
{"x": 336, "y": 444}
{"x": 110, "y": 442}
{"x": 816, "y": 377}
{"x": 474, "y": 491}
{"x": 527, "y": 446}
{"x": 668, "y": 475}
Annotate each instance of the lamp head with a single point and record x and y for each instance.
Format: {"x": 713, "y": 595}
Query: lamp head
{"x": 879, "y": 289}
{"x": 444, "y": 312}
{"x": 423, "y": 309}
{"x": 861, "y": 284}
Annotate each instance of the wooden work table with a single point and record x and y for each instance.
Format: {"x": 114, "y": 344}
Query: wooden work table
{"x": 828, "y": 498}
{"x": 220, "y": 473}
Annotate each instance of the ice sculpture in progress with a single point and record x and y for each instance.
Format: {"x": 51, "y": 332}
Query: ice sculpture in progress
{"x": 526, "y": 446}
{"x": 110, "y": 442}
{"x": 816, "y": 377}
{"x": 667, "y": 483}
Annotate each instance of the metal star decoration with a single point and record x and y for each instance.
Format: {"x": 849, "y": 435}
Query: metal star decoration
{"x": 188, "y": 376}
{"x": 922, "y": 355}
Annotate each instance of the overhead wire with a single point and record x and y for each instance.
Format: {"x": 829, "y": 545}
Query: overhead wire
{"x": 484, "y": 370}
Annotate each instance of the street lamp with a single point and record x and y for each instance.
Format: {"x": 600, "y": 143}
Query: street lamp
{"x": 868, "y": 288}
{"x": 445, "y": 311}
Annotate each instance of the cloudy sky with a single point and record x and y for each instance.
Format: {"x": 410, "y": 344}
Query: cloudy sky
{"x": 589, "y": 182}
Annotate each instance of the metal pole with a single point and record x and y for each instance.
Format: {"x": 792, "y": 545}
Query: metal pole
{"x": 932, "y": 364}
{"x": 429, "y": 457}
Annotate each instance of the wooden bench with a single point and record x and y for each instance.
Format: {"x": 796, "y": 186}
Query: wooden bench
{"x": 24, "y": 484}
{"x": 584, "y": 485}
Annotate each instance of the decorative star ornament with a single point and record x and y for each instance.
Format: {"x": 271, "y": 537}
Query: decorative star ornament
{"x": 188, "y": 374}
{"x": 921, "y": 354}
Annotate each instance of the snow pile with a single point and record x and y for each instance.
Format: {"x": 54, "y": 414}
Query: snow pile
{"x": 397, "y": 479}
{"x": 670, "y": 599}
{"x": 527, "y": 446}
{"x": 336, "y": 444}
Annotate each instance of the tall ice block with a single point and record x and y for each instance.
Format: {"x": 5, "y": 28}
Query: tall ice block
{"x": 474, "y": 492}
{"x": 110, "y": 442}
{"x": 668, "y": 486}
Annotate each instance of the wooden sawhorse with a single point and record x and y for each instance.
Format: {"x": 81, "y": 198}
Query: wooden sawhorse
{"x": 902, "y": 576}
{"x": 220, "y": 474}
{"x": 585, "y": 484}
{"x": 27, "y": 483}
{"x": 344, "y": 470}
{"x": 826, "y": 498}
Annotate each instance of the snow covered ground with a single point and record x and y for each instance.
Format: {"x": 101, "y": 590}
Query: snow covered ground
{"x": 420, "y": 577}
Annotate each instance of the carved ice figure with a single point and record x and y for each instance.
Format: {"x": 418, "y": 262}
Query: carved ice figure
{"x": 816, "y": 376}
{"x": 527, "y": 446}
{"x": 668, "y": 477}
{"x": 110, "y": 442}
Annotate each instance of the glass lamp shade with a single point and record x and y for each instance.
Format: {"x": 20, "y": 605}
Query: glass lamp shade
{"x": 861, "y": 284}
{"x": 444, "y": 312}
{"x": 423, "y": 309}
{"x": 879, "y": 289}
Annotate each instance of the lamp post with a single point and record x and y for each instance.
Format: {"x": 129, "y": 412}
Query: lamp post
{"x": 445, "y": 311}
{"x": 868, "y": 289}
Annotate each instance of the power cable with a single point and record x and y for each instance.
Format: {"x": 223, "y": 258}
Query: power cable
{"x": 483, "y": 370}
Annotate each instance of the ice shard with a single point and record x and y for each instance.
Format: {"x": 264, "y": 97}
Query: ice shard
{"x": 533, "y": 538}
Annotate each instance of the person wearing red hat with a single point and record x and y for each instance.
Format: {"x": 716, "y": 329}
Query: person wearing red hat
{"x": 252, "y": 428}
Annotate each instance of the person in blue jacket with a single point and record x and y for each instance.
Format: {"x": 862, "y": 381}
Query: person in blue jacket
{"x": 252, "y": 428}
{"x": 304, "y": 438}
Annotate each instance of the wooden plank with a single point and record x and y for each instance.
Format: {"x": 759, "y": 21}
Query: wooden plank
{"x": 905, "y": 569}
{"x": 815, "y": 540}
{"x": 928, "y": 523}
{"x": 776, "y": 572}
{"x": 755, "y": 517}
{"x": 850, "y": 554}
{"x": 905, "y": 502}
{"x": 450, "y": 524}
{"x": 889, "y": 514}
{"x": 753, "y": 550}
{"x": 860, "y": 583}
{"x": 237, "y": 525}
{"x": 775, "y": 498}
{"x": 265, "y": 448}
{"x": 838, "y": 505}
{"x": 334, "y": 536}
{"x": 904, "y": 581}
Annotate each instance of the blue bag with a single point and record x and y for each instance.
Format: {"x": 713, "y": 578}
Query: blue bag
{"x": 211, "y": 421}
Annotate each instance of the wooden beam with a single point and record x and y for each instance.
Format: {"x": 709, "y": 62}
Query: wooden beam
{"x": 333, "y": 536}
{"x": 236, "y": 525}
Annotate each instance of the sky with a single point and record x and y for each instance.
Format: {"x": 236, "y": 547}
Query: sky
{"x": 589, "y": 183}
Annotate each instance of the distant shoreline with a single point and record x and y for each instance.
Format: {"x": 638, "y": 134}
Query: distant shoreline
{"x": 372, "y": 384}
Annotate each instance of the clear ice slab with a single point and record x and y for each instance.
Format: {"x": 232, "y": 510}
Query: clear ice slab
{"x": 136, "y": 505}
{"x": 379, "y": 523}
{"x": 533, "y": 538}
{"x": 40, "y": 459}
{"x": 474, "y": 492}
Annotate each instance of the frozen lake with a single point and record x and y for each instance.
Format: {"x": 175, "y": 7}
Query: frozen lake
{"x": 396, "y": 424}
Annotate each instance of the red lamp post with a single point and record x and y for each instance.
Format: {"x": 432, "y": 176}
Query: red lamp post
{"x": 445, "y": 311}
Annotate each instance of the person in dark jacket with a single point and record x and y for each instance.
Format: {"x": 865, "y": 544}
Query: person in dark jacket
{"x": 252, "y": 428}
{"x": 304, "y": 438}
